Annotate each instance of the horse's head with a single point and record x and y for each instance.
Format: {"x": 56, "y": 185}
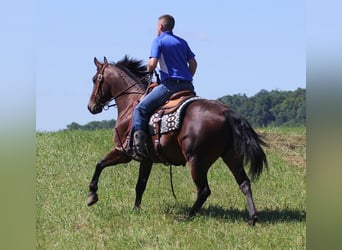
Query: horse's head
{"x": 127, "y": 77}
{"x": 101, "y": 94}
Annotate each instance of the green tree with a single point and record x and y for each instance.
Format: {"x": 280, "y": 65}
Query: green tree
{"x": 74, "y": 126}
{"x": 270, "y": 108}
{"x": 93, "y": 125}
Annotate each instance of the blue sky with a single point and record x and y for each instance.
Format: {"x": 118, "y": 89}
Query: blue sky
{"x": 240, "y": 46}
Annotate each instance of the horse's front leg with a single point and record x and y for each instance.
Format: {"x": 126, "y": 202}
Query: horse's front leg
{"x": 144, "y": 174}
{"x": 115, "y": 156}
{"x": 199, "y": 176}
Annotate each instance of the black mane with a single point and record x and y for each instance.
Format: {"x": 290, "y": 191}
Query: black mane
{"x": 133, "y": 67}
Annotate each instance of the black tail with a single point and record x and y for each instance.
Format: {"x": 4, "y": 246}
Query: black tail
{"x": 247, "y": 143}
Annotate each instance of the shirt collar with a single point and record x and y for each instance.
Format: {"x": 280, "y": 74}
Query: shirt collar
{"x": 164, "y": 33}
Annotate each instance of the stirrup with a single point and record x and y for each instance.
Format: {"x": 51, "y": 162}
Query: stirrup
{"x": 138, "y": 155}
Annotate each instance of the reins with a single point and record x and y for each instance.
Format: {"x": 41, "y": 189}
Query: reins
{"x": 171, "y": 183}
{"x": 129, "y": 87}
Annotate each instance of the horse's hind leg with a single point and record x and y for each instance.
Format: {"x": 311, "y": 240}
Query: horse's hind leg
{"x": 114, "y": 157}
{"x": 247, "y": 191}
{"x": 243, "y": 181}
{"x": 199, "y": 176}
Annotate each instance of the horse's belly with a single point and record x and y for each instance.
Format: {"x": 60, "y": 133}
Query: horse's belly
{"x": 167, "y": 149}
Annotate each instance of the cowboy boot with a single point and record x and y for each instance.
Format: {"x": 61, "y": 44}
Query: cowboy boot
{"x": 139, "y": 145}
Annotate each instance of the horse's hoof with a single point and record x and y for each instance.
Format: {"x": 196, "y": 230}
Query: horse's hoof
{"x": 136, "y": 208}
{"x": 253, "y": 220}
{"x": 92, "y": 199}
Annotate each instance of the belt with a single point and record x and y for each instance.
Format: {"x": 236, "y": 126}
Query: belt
{"x": 177, "y": 80}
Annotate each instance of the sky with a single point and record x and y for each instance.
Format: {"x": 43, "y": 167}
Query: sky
{"x": 241, "y": 47}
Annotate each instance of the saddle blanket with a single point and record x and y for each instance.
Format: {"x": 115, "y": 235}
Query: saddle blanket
{"x": 168, "y": 122}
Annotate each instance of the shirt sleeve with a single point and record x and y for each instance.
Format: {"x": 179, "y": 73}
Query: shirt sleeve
{"x": 155, "y": 49}
{"x": 190, "y": 54}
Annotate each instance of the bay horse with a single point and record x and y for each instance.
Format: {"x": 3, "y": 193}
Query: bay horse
{"x": 209, "y": 130}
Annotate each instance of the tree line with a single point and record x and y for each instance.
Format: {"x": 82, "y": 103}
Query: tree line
{"x": 270, "y": 108}
{"x": 94, "y": 125}
{"x": 266, "y": 108}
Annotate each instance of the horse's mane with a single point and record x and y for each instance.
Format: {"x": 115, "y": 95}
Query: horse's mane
{"x": 133, "y": 67}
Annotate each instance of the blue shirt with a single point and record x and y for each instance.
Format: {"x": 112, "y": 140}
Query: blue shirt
{"x": 173, "y": 54}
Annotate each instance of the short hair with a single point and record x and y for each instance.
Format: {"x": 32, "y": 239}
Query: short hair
{"x": 168, "y": 22}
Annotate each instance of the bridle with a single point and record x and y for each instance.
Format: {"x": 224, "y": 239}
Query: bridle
{"x": 99, "y": 79}
{"x": 98, "y": 85}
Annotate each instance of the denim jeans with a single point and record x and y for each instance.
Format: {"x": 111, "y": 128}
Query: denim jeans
{"x": 156, "y": 98}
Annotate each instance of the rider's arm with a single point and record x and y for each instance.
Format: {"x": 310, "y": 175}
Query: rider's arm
{"x": 152, "y": 64}
{"x": 192, "y": 66}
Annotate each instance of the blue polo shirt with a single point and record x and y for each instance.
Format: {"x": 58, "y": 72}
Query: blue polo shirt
{"x": 173, "y": 53}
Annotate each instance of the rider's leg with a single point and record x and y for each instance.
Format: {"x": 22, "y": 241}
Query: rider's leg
{"x": 142, "y": 112}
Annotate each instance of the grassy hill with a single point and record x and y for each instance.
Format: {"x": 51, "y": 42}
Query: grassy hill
{"x": 65, "y": 164}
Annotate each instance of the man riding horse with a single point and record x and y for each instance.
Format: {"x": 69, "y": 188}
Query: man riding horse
{"x": 177, "y": 65}
{"x": 209, "y": 129}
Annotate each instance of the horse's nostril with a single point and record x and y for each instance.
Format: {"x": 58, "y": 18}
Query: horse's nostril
{"x": 95, "y": 109}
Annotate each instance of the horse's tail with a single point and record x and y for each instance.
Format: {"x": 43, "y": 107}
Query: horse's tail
{"x": 247, "y": 143}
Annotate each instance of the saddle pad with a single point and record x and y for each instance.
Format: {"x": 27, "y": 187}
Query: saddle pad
{"x": 168, "y": 122}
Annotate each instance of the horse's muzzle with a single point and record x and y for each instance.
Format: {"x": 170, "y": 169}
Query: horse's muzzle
{"x": 95, "y": 109}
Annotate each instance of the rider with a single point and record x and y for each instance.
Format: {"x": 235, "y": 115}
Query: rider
{"x": 177, "y": 66}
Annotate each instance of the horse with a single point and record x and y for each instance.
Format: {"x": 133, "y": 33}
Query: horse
{"x": 209, "y": 130}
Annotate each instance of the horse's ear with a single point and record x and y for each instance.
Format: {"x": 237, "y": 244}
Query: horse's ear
{"x": 105, "y": 60}
{"x": 97, "y": 63}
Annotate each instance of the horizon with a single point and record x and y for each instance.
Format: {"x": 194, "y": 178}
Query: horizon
{"x": 115, "y": 118}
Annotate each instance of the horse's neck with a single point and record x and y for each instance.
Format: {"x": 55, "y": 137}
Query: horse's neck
{"x": 125, "y": 107}
{"x": 126, "y": 103}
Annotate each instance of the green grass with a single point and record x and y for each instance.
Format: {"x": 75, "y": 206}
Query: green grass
{"x": 66, "y": 162}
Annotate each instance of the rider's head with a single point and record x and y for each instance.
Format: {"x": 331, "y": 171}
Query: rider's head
{"x": 165, "y": 23}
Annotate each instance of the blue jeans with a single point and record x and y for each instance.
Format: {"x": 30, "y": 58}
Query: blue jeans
{"x": 156, "y": 98}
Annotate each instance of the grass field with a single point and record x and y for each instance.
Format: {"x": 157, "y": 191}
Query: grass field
{"x": 65, "y": 164}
